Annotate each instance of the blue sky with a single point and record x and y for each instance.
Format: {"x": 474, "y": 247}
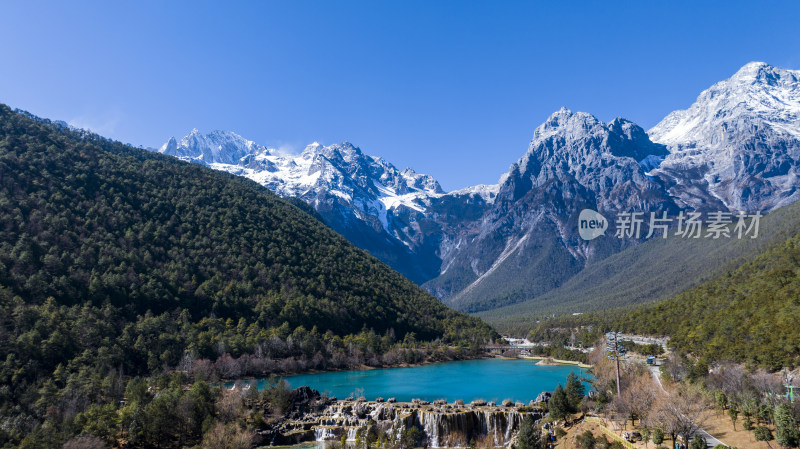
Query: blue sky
{"x": 453, "y": 89}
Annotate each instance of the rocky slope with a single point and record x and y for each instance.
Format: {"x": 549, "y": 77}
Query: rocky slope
{"x": 738, "y": 145}
{"x": 368, "y": 200}
{"x": 527, "y": 242}
{"x": 735, "y": 149}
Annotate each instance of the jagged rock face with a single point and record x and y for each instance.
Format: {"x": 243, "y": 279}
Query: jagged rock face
{"x": 366, "y": 199}
{"x": 527, "y": 243}
{"x": 215, "y": 147}
{"x": 736, "y": 148}
{"x": 592, "y": 160}
{"x": 467, "y": 236}
{"x": 738, "y": 145}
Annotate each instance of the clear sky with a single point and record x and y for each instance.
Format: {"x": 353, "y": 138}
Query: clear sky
{"x": 450, "y": 88}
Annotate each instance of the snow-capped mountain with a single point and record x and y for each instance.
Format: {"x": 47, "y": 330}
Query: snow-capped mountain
{"x": 365, "y": 198}
{"x": 340, "y": 168}
{"x": 736, "y": 148}
{"x": 527, "y": 242}
{"x": 738, "y": 145}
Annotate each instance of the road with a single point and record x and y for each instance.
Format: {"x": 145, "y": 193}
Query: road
{"x": 711, "y": 441}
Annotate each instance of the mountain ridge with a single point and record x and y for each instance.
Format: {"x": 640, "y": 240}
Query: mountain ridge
{"x": 738, "y": 144}
{"x": 237, "y": 247}
{"x": 736, "y": 156}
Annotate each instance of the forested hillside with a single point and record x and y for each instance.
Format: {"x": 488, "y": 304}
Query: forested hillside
{"x": 117, "y": 262}
{"x": 746, "y": 315}
{"x": 749, "y": 315}
{"x": 652, "y": 271}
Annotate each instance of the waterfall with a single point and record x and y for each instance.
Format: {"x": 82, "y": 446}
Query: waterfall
{"x": 431, "y": 427}
{"x": 444, "y": 425}
{"x": 324, "y": 433}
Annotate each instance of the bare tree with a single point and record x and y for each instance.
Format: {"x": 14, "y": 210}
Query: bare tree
{"x": 229, "y": 406}
{"x": 228, "y": 367}
{"x": 675, "y": 367}
{"x": 187, "y": 361}
{"x": 769, "y": 387}
{"x": 85, "y": 442}
{"x": 231, "y": 436}
{"x": 730, "y": 378}
{"x": 637, "y": 399}
{"x": 681, "y": 412}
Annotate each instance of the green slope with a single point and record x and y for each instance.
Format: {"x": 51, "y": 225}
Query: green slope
{"x": 653, "y": 271}
{"x": 116, "y": 263}
{"x": 93, "y": 223}
{"x": 748, "y": 315}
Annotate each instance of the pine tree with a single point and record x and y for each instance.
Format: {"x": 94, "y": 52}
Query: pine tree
{"x": 734, "y": 415}
{"x": 645, "y": 436}
{"x": 529, "y": 436}
{"x": 786, "y": 433}
{"x": 559, "y": 406}
{"x": 575, "y": 391}
{"x": 762, "y": 433}
{"x": 721, "y": 399}
{"x": 698, "y": 442}
{"x": 586, "y": 440}
{"x": 658, "y": 436}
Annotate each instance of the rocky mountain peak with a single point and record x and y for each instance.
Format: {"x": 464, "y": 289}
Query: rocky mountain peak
{"x": 758, "y": 92}
{"x": 223, "y": 147}
{"x": 579, "y": 143}
{"x": 737, "y": 144}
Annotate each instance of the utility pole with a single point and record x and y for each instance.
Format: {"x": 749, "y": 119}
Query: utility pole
{"x": 616, "y": 359}
{"x": 614, "y": 347}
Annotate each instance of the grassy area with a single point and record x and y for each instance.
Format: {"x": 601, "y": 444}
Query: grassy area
{"x": 716, "y": 424}
{"x": 570, "y": 440}
{"x": 721, "y": 427}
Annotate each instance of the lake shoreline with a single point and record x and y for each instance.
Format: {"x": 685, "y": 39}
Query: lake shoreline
{"x": 490, "y": 379}
{"x": 485, "y": 355}
{"x": 549, "y": 361}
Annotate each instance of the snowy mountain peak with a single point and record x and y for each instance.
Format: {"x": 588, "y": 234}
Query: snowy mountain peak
{"x": 751, "y": 69}
{"x": 221, "y": 147}
{"x": 170, "y": 147}
{"x": 340, "y": 151}
{"x": 577, "y": 150}
{"x": 341, "y": 170}
{"x": 346, "y": 150}
{"x": 575, "y": 135}
{"x": 761, "y": 72}
{"x": 564, "y": 119}
{"x": 738, "y": 141}
{"x": 757, "y": 92}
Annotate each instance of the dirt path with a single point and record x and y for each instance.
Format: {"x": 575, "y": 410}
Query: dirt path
{"x": 710, "y": 440}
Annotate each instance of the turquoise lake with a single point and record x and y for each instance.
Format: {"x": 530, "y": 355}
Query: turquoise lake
{"x": 489, "y": 379}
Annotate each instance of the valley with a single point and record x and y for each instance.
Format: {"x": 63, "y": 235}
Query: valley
{"x": 515, "y": 244}
{"x": 399, "y": 225}
{"x": 139, "y": 288}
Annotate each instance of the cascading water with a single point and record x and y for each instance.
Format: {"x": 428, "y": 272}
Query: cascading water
{"x": 444, "y": 425}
